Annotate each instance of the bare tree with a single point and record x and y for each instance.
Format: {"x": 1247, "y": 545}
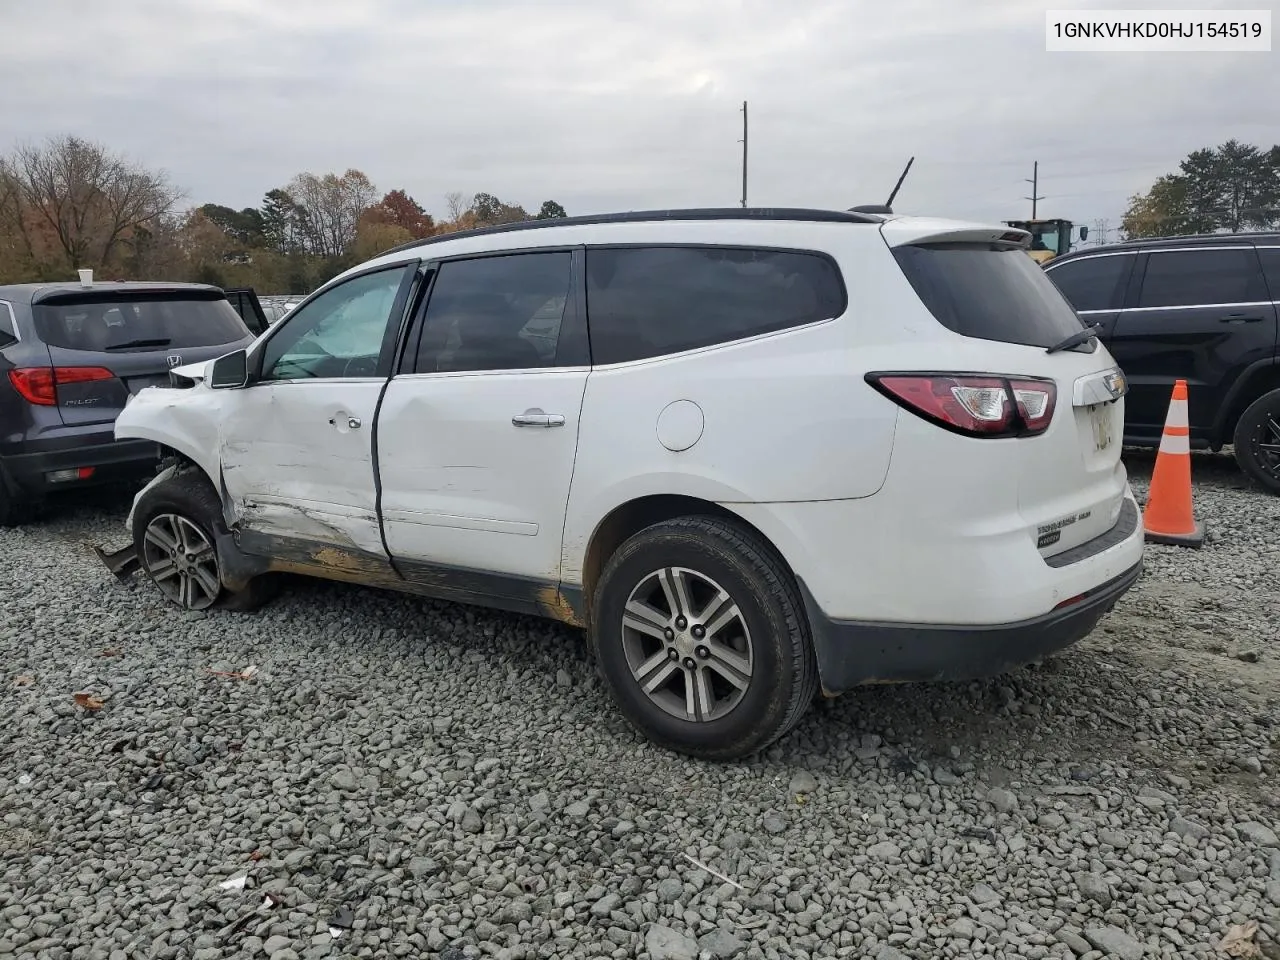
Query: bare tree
{"x": 457, "y": 204}
{"x": 17, "y": 255}
{"x": 330, "y": 208}
{"x": 90, "y": 198}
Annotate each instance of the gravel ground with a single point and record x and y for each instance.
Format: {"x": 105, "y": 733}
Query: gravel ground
{"x": 403, "y": 778}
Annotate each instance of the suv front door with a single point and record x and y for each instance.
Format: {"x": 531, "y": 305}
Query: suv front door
{"x": 477, "y": 437}
{"x": 295, "y": 448}
{"x": 1200, "y": 314}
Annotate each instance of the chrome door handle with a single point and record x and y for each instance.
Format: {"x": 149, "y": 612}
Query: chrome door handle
{"x": 536, "y": 418}
{"x": 354, "y": 423}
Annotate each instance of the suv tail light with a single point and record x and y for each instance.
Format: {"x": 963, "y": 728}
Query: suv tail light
{"x": 39, "y": 385}
{"x": 976, "y": 405}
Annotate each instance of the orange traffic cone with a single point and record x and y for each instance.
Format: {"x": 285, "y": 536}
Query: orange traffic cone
{"x": 1169, "y": 517}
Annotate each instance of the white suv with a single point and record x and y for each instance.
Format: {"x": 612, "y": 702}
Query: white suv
{"x": 755, "y": 453}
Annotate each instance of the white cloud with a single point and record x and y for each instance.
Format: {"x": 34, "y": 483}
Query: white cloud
{"x": 626, "y": 104}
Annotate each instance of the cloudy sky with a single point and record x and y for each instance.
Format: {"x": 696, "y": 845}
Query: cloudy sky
{"x": 628, "y": 104}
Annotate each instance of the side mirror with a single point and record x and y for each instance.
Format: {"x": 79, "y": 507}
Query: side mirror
{"x": 230, "y": 371}
{"x": 1084, "y": 234}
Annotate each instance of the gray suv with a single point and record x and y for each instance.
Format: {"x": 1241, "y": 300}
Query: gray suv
{"x": 71, "y": 355}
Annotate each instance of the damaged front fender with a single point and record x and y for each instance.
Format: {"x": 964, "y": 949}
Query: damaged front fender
{"x": 184, "y": 420}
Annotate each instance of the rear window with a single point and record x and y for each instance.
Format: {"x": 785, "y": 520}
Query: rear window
{"x": 140, "y": 322}
{"x": 988, "y": 292}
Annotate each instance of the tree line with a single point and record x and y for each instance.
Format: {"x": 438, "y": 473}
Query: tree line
{"x": 1224, "y": 189}
{"x": 70, "y": 203}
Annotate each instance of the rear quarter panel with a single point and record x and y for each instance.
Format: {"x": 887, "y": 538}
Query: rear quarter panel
{"x": 780, "y": 417}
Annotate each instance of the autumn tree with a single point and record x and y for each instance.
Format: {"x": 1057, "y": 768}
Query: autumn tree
{"x": 398, "y": 209}
{"x": 1228, "y": 188}
{"x": 90, "y": 199}
{"x": 329, "y": 208}
{"x": 374, "y": 237}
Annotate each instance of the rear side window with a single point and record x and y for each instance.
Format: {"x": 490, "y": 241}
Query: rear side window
{"x": 1094, "y": 283}
{"x": 1188, "y": 278}
{"x": 1270, "y": 257}
{"x": 988, "y": 292}
{"x": 650, "y": 301}
{"x": 143, "y": 322}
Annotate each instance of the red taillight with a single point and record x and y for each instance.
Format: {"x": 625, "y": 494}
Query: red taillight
{"x": 39, "y": 385}
{"x": 976, "y": 405}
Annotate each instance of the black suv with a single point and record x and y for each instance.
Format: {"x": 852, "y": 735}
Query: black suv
{"x": 71, "y": 354}
{"x": 1201, "y": 309}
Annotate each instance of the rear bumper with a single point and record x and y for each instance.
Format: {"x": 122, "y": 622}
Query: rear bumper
{"x": 853, "y": 653}
{"x": 26, "y": 474}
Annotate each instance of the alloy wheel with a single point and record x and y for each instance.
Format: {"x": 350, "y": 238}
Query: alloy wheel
{"x": 687, "y": 644}
{"x": 1267, "y": 447}
{"x": 178, "y": 556}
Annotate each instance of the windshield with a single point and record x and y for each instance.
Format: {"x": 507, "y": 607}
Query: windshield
{"x": 1044, "y": 238}
{"x": 139, "y": 322}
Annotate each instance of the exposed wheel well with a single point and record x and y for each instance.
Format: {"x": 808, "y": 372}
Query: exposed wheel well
{"x": 632, "y": 517}
{"x": 1263, "y": 381}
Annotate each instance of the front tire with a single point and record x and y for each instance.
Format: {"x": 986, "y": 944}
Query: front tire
{"x": 702, "y": 637}
{"x": 174, "y": 529}
{"x": 1257, "y": 441}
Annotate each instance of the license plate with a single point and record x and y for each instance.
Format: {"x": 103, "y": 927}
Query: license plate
{"x": 1100, "y": 416}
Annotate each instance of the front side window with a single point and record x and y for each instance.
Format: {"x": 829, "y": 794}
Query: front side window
{"x": 1189, "y": 278}
{"x": 651, "y": 301}
{"x": 339, "y": 334}
{"x": 1094, "y": 283}
{"x": 495, "y": 313}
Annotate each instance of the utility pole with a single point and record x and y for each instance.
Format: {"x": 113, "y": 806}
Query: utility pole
{"x": 744, "y": 154}
{"x": 1035, "y": 183}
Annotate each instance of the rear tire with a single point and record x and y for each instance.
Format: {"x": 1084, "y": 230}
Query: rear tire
{"x": 13, "y": 513}
{"x": 722, "y": 664}
{"x": 174, "y": 528}
{"x": 1257, "y": 430}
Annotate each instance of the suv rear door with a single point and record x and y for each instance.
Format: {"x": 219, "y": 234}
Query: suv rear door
{"x": 107, "y": 344}
{"x": 1196, "y": 313}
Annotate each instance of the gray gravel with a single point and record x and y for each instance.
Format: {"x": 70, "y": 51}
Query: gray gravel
{"x": 403, "y": 778}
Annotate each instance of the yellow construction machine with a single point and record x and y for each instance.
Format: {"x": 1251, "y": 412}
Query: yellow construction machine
{"x": 1049, "y": 238}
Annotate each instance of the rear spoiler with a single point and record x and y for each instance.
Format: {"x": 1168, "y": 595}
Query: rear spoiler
{"x": 912, "y": 231}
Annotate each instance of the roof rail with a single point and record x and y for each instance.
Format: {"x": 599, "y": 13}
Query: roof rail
{"x": 644, "y": 216}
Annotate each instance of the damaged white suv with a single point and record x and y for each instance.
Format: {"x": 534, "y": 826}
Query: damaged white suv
{"x": 755, "y": 453}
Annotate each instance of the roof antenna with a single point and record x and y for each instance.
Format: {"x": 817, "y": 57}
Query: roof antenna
{"x": 887, "y": 207}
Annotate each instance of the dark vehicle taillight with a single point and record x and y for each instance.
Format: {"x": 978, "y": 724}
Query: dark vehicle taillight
{"x": 976, "y": 405}
{"x": 39, "y": 385}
